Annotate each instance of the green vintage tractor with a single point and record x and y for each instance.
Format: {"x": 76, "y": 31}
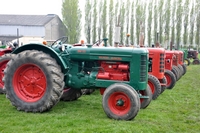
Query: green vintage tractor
{"x": 38, "y": 75}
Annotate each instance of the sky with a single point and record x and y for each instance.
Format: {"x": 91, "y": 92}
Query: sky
{"x": 31, "y": 7}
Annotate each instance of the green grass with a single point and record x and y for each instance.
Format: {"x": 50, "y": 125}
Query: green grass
{"x": 175, "y": 111}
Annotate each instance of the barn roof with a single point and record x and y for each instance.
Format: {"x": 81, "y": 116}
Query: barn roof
{"x": 26, "y": 20}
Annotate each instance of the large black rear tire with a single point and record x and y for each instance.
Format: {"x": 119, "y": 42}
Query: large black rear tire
{"x": 87, "y": 91}
{"x": 70, "y": 94}
{"x": 33, "y": 81}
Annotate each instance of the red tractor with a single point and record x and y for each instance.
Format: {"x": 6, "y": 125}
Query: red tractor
{"x": 5, "y": 56}
{"x": 170, "y": 76}
{"x": 181, "y": 65}
{"x": 156, "y": 78}
{"x": 177, "y": 68}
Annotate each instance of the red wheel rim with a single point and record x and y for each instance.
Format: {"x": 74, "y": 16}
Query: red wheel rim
{"x": 29, "y": 83}
{"x": 119, "y": 103}
{"x": 168, "y": 79}
{"x": 151, "y": 85}
{"x": 2, "y": 68}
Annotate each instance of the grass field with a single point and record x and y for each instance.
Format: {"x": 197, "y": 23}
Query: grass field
{"x": 175, "y": 111}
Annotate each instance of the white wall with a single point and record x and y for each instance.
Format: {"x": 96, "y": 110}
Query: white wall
{"x": 8, "y": 30}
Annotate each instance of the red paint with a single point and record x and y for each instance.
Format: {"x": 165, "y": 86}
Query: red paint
{"x": 116, "y": 109}
{"x": 2, "y": 68}
{"x": 169, "y": 59}
{"x": 29, "y": 83}
{"x": 114, "y": 71}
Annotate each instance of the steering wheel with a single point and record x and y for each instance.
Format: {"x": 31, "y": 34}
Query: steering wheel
{"x": 98, "y": 42}
{"x": 60, "y": 41}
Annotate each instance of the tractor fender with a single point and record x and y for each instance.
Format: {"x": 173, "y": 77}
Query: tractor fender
{"x": 45, "y": 49}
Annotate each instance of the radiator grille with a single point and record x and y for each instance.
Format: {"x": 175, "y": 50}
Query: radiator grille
{"x": 162, "y": 62}
{"x": 143, "y": 68}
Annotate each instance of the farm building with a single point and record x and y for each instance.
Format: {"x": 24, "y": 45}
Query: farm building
{"x": 30, "y": 28}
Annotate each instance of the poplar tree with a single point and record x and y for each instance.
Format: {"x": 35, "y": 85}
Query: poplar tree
{"x": 127, "y": 20}
{"x": 185, "y": 21}
{"x": 173, "y": 22}
{"x": 192, "y": 18}
{"x": 139, "y": 20}
{"x": 94, "y": 29}
{"x": 111, "y": 21}
{"x": 122, "y": 22}
{"x": 166, "y": 23}
{"x": 88, "y": 21}
{"x": 155, "y": 21}
{"x": 132, "y": 38}
{"x": 161, "y": 20}
{"x": 197, "y": 41}
{"x": 72, "y": 19}
{"x": 149, "y": 21}
{"x": 179, "y": 13}
{"x": 104, "y": 19}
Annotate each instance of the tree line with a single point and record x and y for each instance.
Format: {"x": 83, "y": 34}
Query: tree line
{"x": 163, "y": 21}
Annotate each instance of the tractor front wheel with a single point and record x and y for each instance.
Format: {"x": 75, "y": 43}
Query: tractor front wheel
{"x": 155, "y": 86}
{"x": 184, "y": 69}
{"x": 171, "y": 79}
{"x": 33, "y": 81}
{"x": 187, "y": 62}
{"x": 163, "y": 83}
{"x": 121, "y": 102}
{"x": 176, "y": 72}
{"x": 4, "y": 59}
{"x": 145, "y": 101}
{"x": 196, "y": 62}
{"x": 181, "y": 70}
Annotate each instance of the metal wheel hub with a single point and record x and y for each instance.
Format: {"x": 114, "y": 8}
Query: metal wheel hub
{"x": 119, "y": 103}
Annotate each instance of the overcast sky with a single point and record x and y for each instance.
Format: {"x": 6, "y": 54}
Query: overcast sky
{"x": 31, "y": 7}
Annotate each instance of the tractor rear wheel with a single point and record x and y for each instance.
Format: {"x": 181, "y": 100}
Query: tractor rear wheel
{"x": 4, "y": 59}
{"x": 176, "y": 72}
{"x": 70, "y": 94}
{"x": 87, "y": 91}
{"x": 184, "y": 69}
{"x": 181, "y": 70}
{"x": 163, "y": 83}
{"x": 155, "y": 86}
{"x": 145, "y": 101}
{"x": 196, "y": 62}
{"x": 187, "y": 62}
{"x": 171, "y": 79}
{"x": 33, "y": 81}
{"x": 121, "y": 102}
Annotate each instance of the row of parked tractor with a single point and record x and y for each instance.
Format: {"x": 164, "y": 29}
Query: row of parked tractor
{"x": 35, "y": 77}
